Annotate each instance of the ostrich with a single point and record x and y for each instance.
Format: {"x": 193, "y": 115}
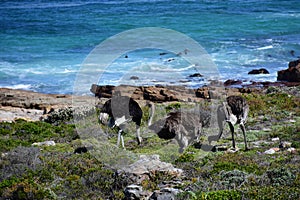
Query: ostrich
{"x": 184, "y": 126}
{"x": 234, "y": 111}
{"x": 119, "y": 110}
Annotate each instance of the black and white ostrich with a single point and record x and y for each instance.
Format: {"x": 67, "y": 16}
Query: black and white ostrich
{"x": 234, "y": 111}
{"x": 120, "y": 110}
{"x": 184, "y": 126}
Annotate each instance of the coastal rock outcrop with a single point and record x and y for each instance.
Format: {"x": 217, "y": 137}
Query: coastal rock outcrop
{"x": 159, "y": 94}
{"x": 259, "y": 71}
{"x": 156, "y": 93}
{"x": 33, "y": 106}
{"x": 292, "y": 74}
{"x": 232, "y": 82}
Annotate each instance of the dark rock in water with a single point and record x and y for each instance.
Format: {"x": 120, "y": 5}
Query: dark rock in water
{"x": 163, "y": 53}
{"x": 134, "y": 78}
{"x": 232, "y": 82}
{"x": 195, "y": 75}
{"x": 292, "y": 74}
{"x": 259, "y": 71}
{"x": 184, "y": 81}
{"x": 292, "y": 52}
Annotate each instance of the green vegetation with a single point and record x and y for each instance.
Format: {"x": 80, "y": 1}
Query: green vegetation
{"x": 55, "y": 172}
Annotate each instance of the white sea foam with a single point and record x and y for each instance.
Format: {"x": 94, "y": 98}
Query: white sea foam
{"x": 265, "y": 47}
{"x": 18, "y": 86}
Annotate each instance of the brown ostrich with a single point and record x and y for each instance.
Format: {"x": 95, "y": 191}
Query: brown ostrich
{"x": 184, "y": 126}
{"x": 234, "y": 111}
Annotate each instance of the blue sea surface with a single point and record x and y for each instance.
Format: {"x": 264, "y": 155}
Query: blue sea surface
{"x": 44, "y": 43}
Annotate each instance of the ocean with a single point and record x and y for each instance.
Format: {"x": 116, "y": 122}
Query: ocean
{"x": 45, "y": 45}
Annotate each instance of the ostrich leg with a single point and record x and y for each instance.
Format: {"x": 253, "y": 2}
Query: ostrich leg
{"x": 182, "y": 139}
{"x": 244, "y": 133}
{"x": 222, "y": 115}
{"x": 232, "y": 134}
{"x": 138, "y": 135}
{"x": 120, "y": 137}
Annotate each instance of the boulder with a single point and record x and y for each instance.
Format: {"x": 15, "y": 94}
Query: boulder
{"x": 159, "y": 94}
{"x": 292, "y": 74}
{"x": 148, "y": 166}
{"x": 202, "y": 93}
{"x": 259, "y": 71}
{"x": 133, "y": 192}
{"x": 232, "y": 82}
{"x": 102, "y": 91}
{"x": 165, "y": 193}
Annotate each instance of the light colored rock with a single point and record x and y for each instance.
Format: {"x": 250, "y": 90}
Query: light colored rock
{"x": 165, "y": 193}
{"x": 45, "y": 143}
{"x": 133, "y": 192}
{"x": 10, "y": 114}
{"x": 267, "y": 129}
{"x": 275, "y": 139}
{"x": 285, "y": 144}
{"x": 232, "y": 150}
{"x": 32, "y": 106}
{"x": 291, "y": 150}
{"x": 149, "y": 165}
{"x": 272, "y": 150}
{"x": 3, "y": 155}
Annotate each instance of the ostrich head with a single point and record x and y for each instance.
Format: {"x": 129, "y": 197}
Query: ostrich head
{"x": 104, "y": 117}
{"x": 106, "y": 120}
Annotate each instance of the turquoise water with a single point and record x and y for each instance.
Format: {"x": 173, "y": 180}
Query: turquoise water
{"x": 44, "y": 43}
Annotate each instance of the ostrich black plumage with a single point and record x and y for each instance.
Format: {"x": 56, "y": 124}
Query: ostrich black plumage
{"x": 234, "y": 111}
{"x": 119, "y": 110}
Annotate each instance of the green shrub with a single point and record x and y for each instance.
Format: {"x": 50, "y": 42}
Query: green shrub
{"x": 214, "y": 195}
{"x": 271, "y": 192}
{"x": 232, "y": 179}
{"x": 185, "y": 157}
{"x": 173, "y": 106}
{"x": 281, "y": 176}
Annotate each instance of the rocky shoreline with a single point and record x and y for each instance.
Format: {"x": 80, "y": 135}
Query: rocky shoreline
{"x": 33, "y": 106}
